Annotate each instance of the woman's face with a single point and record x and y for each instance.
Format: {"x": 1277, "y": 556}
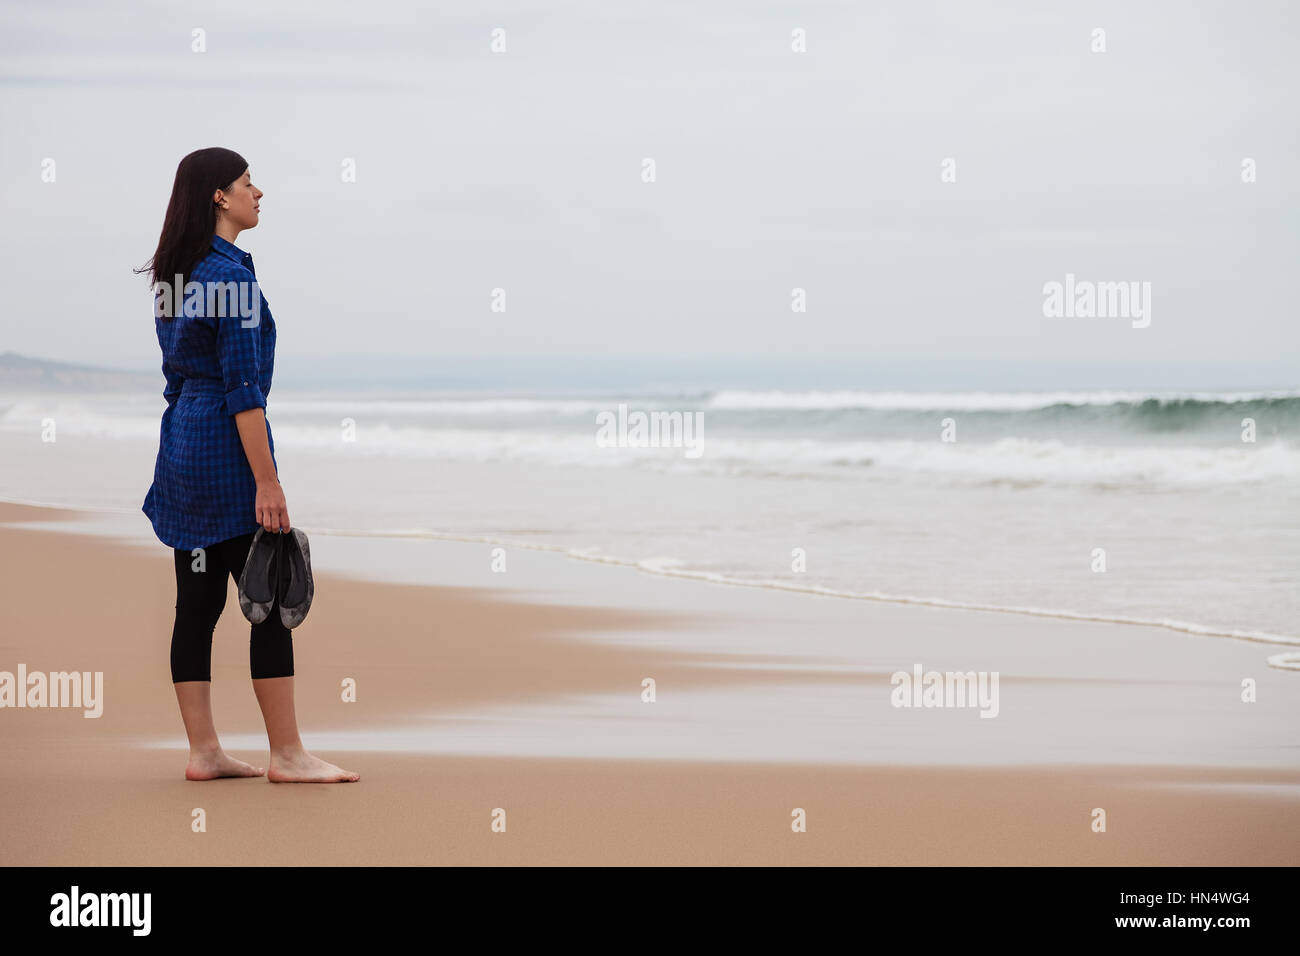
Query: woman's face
{"x": 239, "y": 203}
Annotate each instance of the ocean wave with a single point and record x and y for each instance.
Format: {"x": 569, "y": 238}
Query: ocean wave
{"x": 1014, "y": 460}
{"x": 450, "y": 406}
{"x": 976, "y": 401}
{"x": 1017, "y": 461}
{"x": 80, "y": 417}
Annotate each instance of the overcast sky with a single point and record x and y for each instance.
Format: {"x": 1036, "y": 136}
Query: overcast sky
{"x": 775, "y": 170}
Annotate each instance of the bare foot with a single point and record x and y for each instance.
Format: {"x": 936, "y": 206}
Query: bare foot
{"x": 213, "y": 765}
{"x": 302, "y": 767}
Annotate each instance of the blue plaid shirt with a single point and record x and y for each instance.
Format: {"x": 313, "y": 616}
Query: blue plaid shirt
{"x": 215, "y": 365}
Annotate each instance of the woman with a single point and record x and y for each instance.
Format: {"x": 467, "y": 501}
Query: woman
{"x": 215, "y": 480}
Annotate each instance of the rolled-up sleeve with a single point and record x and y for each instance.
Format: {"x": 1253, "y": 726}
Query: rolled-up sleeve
{"x": 172, "y": 390}
{"x": 240, "y": 350}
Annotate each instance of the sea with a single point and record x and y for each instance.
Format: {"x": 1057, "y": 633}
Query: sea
{"x": 1180, "y": 509}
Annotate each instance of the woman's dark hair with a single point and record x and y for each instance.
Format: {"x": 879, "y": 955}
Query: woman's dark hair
{"x": 191, "y": 214}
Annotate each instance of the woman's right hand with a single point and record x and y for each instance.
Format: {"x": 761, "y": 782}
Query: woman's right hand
{"x": 272, "y": 509}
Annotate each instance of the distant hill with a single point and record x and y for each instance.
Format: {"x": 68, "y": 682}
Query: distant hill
{"x": 23, "y": 373}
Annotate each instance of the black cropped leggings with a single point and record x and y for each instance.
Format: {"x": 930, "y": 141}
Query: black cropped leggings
{"x": 200, "y": 599}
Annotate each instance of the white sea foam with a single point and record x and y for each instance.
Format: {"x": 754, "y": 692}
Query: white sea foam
{"x": 1010, "y": 460}
{"x": 965, "y": 401}
{"x": 73, "y": 416}
{"x": 362, "y": 405}
{"x": 1013, "y": 460}
{"x": 471, "y": 407}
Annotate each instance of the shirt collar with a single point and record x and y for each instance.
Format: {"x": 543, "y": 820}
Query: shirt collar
{"x": 230, "y": 250}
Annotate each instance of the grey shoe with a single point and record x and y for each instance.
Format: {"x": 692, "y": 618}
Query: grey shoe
{"x": 295, "y": 587}
{"x": 257, "y": 582}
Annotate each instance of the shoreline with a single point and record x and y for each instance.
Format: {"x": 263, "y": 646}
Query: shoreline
{"x": 1283, "y": 660}
{"x": 1185, "y": 779}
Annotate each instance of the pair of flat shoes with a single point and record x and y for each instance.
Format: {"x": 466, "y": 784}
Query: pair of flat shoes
{"x": 277, "y": 572}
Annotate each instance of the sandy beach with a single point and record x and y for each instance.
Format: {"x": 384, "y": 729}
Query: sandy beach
{"x": 726, "y": 435}
{"x": 110, "y": 790}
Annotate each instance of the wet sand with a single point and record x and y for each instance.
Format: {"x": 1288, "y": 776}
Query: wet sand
{"x": 110, "y": 790}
